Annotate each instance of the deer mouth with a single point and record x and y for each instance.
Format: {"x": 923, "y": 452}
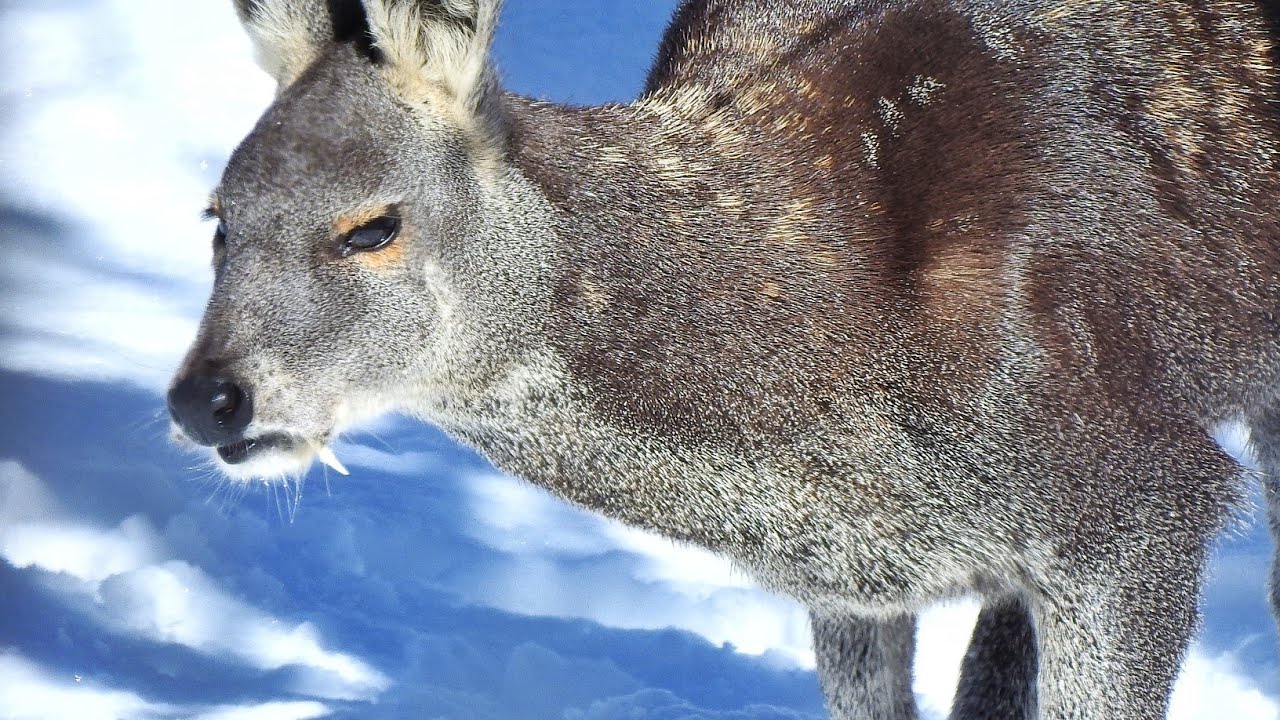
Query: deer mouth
{"x": 275, "y": 454}
{"x": 241, "y": 452}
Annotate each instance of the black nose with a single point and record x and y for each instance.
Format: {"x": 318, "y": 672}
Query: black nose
{"x": 210, "y": 410}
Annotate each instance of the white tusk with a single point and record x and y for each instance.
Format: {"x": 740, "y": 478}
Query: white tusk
{"x": 325, "y": 455}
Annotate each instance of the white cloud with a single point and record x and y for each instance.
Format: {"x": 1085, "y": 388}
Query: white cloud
{"x": 175, "y": 602}
{"x": 635, "y": 579}
{"x": 123, "y": 111}
{"x": 361, "y": 456}
{"x": 29, "y": 692}
{"x": 23, "y": 496}
{"x": 132, "y": 587}
{"x": 87, "y": 554}
{"x": 100, "y": 329}
{"x": 942, "y": 634}
{"x": 1214, "y": 687}
{"x": 1233, "y": 437}
{"x": 268, "y": 711}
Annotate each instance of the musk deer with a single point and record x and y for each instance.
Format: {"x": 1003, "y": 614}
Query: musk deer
{"x": 887, "y": 301}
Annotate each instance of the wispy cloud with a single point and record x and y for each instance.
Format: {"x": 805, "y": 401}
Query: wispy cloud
{"x": 122, "y": 114}
{"x": 103, "y": 329}
{"x": 174, "y": 602}
{"x": 87, "y": 554}
{"x": 123, "y": 576}
{"x": 569, "y": 563}
{"x": 268, "y": 711}
{"x": 1215, "y": 687}
{"x": 30, "y": 692}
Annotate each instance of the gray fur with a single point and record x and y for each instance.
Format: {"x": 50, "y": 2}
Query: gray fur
{"x": 888, "y": 302}
{"x": 878, "y": 685}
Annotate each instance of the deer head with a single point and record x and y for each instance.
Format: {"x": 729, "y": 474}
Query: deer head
{"x": 337, "y": 218}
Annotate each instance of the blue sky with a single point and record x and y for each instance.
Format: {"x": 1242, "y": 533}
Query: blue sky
{"x": 135, "y": 584}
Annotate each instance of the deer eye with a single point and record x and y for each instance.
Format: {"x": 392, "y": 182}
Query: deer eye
{"x": 220, "y": 237}
{"x": 373, "y": 235}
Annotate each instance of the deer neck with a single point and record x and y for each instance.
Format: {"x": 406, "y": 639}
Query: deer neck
{"x": 632, "y": 374}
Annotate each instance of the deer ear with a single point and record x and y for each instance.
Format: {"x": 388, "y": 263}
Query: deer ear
{"x": 287, "y": 35}
{"x": 436, "y": 50}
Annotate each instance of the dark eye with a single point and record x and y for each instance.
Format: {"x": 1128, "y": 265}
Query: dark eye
{"x": 220, "y": 237}
{"x": 373, "y": 235}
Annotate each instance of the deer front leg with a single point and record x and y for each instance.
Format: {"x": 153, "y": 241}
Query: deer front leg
{"x": 998, "y": 677}
{"x": 864, "y": 665}
{"x": 1111, "y": 648}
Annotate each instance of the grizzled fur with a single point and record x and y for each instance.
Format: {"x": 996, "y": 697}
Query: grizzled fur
{"x": 889, "y": 302}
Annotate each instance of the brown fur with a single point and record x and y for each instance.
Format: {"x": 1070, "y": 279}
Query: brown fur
{"x": 887, "y": 301}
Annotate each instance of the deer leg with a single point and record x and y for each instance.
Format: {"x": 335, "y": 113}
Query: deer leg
{"x": 1111, "y": 647}
{"x": 864, "y": 666}
{"x": 998, "y": 676}
{"x": 1264, "y": 438}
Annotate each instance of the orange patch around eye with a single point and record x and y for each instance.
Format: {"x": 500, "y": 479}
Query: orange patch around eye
{"x": 382, "y": 260}
{"x": 388, "y": 258}
{"x": 346, "y": 223}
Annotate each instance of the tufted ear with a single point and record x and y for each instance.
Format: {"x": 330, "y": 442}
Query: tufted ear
{"x": 288, "y": 34}
{"x": 437, "y": 50}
